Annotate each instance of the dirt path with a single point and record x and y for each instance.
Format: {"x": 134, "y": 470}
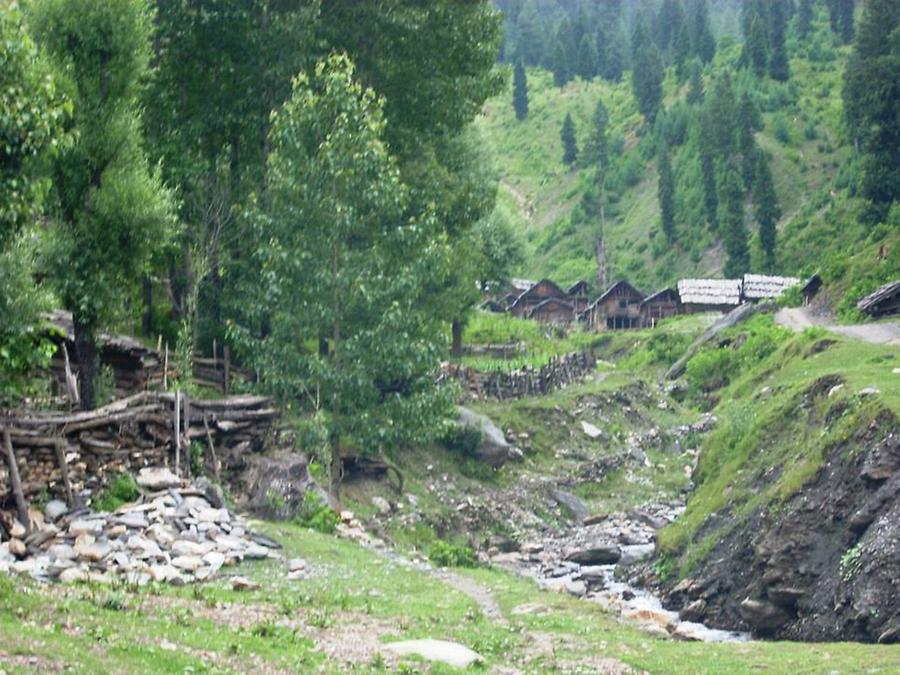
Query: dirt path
{"x": 482, "y": 596}
{"x": 799, "y": 318}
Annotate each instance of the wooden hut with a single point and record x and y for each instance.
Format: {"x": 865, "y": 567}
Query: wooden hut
{"x": 709, "y": 295}
{"x": 531, "y": 298}
{"x": 659, "y": 305}
{"x": 553, "y": 311}
{"x": 883, "y": 302}
{"x": 811, "y": 288}
{"x": 135, "y": 366}
{"x": 579, "y": 295}
{"x": 516, "y": 288}
{"x": 619, "y": 307}
{"x": 761, "y": 287}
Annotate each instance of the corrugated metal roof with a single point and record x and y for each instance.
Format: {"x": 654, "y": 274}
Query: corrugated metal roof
{"x": 758, "y": 286}
{"x": 710, "y": 291}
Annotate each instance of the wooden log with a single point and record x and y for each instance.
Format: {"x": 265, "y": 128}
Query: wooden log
{"x": 226, "y": 357}
{"x": 64, "y": 471}
{"x": 15, "y": 481}
{"x": 177, "y": 427}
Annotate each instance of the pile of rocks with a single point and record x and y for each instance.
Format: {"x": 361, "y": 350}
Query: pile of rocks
{"x": 175, "y": 533}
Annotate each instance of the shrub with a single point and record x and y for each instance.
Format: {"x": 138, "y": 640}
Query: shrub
{"x": 317, "y": 515}
{"x": 120, "y": 490}
{"x": 444, "y": 554}
{"x": 461, "y": 440}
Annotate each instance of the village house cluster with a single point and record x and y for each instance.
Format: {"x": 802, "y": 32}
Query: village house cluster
{"x": 623, "y": 306}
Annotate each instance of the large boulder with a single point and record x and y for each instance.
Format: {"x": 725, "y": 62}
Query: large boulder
{"x": 492, "y": 449}
{"x": 599, "y": 553}
{"x": 278, "y": 484}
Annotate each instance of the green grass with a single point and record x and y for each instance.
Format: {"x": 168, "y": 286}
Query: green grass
{"x": 772, "y": 435}
{"x": 356, "y": 595}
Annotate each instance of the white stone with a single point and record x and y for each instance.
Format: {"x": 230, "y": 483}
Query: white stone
{"x": 441, "y": 651}
{"x": 187, "y": 562}
{"x": 243, "y": 584}
{"x": 62, "y": 552}
{"x": 382, "y": 504}
{"x": 591, "y": 430}
{"x": 71, "y": 575}
{"x": 296, "y": 564}
{"x": 157, "y": 479}
{"x": 183, "y": 547}
{"x": 256, "y": 552}
{"x": 17, "y": 530}
{"x": 55, "y": 509}
{"x": 79, "y": 527}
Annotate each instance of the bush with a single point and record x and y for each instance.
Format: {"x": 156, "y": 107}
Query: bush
{"x": 317, "y": 515}
{"x": 444, "y": 554}
{"x": 122, "y": 489}
{"x": 461, "y": 440}
{"x": 782, "y": 129}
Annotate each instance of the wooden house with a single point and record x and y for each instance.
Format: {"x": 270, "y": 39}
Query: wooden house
{"x": 660, "y": 305}
{"x": 579, "y": 295}
{"x": 883, "y": 302}
{"x": 619, "y": 307}
{"x": 709, "y": 295}
{"x": 531, "y": 298}
{"x": 811, "y": 288}
{"x": 516, "y": 288}
{"x": 553, "y": 311}
{"x": 761, "y": 287}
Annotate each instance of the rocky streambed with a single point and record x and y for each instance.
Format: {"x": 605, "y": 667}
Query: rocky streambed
{"x": 176, "y": 533}
{"x": 592, "y": 561}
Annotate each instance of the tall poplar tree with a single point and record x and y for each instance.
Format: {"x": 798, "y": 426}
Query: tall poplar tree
{"x": 339, "y": 257}
{"x": 113, "y": 212}
{"x": 520, "y": 91}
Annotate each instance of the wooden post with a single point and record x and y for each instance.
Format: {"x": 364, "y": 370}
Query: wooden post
{"x": 215, "y": 355}
{"x": 15, "y": 480}
{"x": 177, "y": 426}
{"x": 212, "y": 447}
{"x": 187, "y": 436}
{"x": 226, "y": 355}
{"x": 166, "y": 368}
{"x": 64, "y": 470}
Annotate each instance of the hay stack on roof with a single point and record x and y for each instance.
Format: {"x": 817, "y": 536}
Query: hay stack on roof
{"x": 759, "y": 286}
{"x": 713, "y": 292}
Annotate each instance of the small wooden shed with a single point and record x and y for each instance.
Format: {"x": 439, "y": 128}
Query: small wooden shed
{"x": 811, "y": 288}
{"x": 619, "y": 307}
{"x": 553, "y": 311}
{"x": 709, "y": 295}
{"x": 660, "y": 305}
{"x": 883, "y": 302}
{"x": 531, "y": 298}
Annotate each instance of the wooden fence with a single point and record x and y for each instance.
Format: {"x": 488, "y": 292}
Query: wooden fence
{"x": 558, "y": 372}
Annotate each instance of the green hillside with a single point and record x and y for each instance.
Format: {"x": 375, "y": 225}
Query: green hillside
{"x": 814, "y": 166}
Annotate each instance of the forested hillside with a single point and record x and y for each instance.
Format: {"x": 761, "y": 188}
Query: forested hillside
{"x": 709, "y": 140}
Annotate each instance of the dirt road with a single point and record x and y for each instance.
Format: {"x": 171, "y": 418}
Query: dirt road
{"x": 798, "y": 318}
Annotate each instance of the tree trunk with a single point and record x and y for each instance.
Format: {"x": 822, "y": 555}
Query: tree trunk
{"x": 456, "y": 328}
{"x": 336, "y": 470}
{"x": 147, "y": 324}
{"x": 86, "y": 352}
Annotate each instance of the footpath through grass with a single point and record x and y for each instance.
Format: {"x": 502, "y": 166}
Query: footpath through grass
{"x": 336, "y": 621}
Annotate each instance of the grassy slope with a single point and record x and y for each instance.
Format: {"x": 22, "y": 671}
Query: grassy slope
{"x": 818, "y": 229}
{"x": 773, "y": 435}
{"x": 285, "y": 626}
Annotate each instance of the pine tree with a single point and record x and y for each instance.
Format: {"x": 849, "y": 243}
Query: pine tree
{"x": 695, "y": 89}
{"x": 666, "y": 193}
{"x": 561, "y": 61}
{"x": 766, "y": 210}
{"x": 841, "y": 15}
{"x": 731, "y": 219}
{"x": 114, "y": 212}
{"x": 615, "y": 55}
{"x": 804, "y": 18}
{"x": 647, "y": 74}
{"x": 587, "y": 58}
{"x": 681, "y": 50}
{"x": 530, "y": 34}
{"x": 570, "y": 145}
{"x": 703, "y": 43}
{"x": 708, "y": 173}
{"x": 520, "y": 91}
{"x": 779, "y": 66}
{"x": 755, "y": 52}
{"x": 871, "y": 92}
{"x": 749, "y": 122}
{"x": 596, "y": 148}
{"x": 720, "y": 121}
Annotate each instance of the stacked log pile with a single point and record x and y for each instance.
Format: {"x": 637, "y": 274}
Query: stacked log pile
{"x": 559, "y": 372}
{"x": 67, "y": 454}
